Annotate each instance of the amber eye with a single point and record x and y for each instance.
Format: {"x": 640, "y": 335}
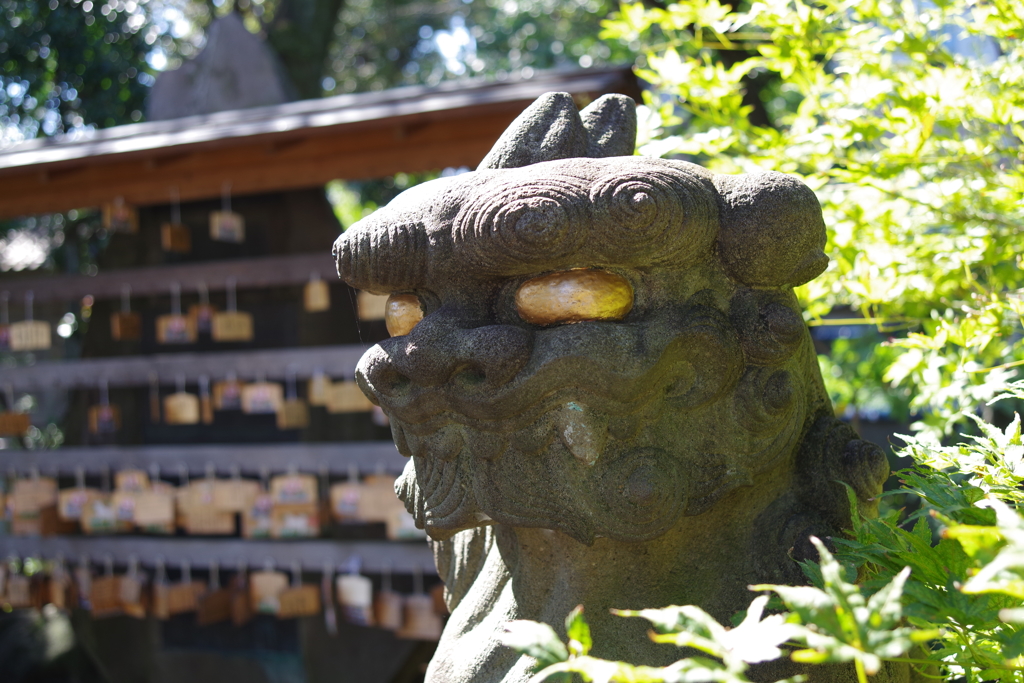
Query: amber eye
{"x": 401, "y": 313}
{"x": 573, "y": 296}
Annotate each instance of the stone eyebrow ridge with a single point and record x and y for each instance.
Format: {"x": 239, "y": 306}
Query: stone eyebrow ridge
{"x": 381, "y": 255}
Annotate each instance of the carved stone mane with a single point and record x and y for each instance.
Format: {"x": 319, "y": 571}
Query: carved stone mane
{"x": 670, "y": 454}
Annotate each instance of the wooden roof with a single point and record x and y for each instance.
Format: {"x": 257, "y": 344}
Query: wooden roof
{"x": 293, "y": 145}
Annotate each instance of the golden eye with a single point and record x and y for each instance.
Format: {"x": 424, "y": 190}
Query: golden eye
{"x": 573, "y": 296}
{"x": 401, "y": 313}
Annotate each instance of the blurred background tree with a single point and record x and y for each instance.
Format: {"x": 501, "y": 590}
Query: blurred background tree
{"x": 70, "y": 64}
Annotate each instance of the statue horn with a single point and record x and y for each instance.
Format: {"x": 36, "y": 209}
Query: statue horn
{"x": 610, "y": 121}
{"x": 548, "y": 129}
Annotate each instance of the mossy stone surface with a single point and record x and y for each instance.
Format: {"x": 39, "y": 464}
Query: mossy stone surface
{"x": 673, "y": 456}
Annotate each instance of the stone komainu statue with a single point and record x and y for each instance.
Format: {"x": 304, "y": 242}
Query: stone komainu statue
{"x": 610, "y": 397}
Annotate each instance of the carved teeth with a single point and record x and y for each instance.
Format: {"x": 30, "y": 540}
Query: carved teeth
{"x": 582, "y": 432}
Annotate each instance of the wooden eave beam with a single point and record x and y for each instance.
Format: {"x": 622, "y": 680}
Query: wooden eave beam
{"x": 290, "y": 146}
{"x": 260, "y": 163}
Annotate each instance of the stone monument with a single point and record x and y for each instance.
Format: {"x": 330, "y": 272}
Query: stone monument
{"x": 603, "y": 380}
{"x": 234, "y": 70}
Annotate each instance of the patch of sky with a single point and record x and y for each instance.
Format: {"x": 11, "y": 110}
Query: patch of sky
{"x": 456, "y": 45}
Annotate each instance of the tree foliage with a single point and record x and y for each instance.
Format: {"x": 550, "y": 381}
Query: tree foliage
{"x": 401, "y": 42}
{"x": 339, "y": 46}
{"x": 907, "y": 119}
{"x": 68, "y": 64}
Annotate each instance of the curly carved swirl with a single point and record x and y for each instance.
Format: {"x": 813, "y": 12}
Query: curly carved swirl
{"x": 764, "y": 400}
{"x": 661, "y": 216}
{"x": 771, "y": 330}
{"x": 517, "y": 222}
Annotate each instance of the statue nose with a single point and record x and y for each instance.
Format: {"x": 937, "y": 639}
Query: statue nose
{"x": 440, "y": 350}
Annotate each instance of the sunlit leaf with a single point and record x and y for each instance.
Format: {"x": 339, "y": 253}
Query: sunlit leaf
{"x": 535, "y": 639}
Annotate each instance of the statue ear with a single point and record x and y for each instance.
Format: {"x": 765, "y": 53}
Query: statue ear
{"x": 611, "y": 126}
{"x": 771, "y": 232}
{"x": 549, "y": 129}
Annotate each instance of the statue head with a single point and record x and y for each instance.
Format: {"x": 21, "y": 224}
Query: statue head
{"x": 598, "y": 343}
